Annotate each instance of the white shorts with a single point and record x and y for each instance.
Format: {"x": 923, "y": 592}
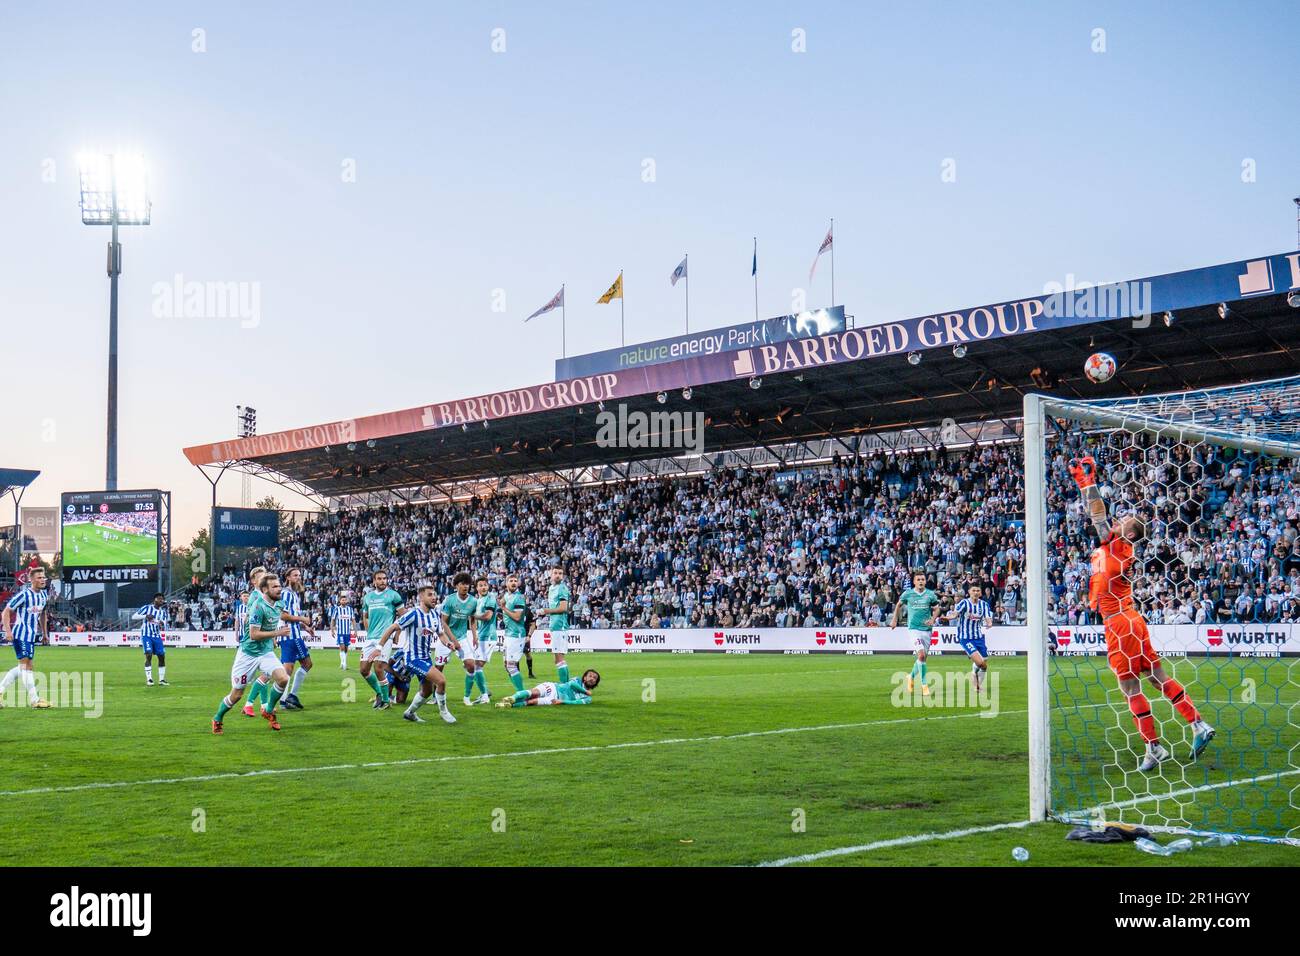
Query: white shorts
{"x": 441, "y": 654}
{"x": 371, "y": 651}
{"x": 547, "y": 694}
{"x": 920, "y": 638}
{"x": 483, "y": 654}
{"x": 246, "y": 667}
{"x": 514, "y": 649}
{"x": 558, "y": 643}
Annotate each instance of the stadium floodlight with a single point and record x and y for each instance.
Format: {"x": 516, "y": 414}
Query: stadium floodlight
{"x": 1169, "y": 320}
{"x": 687, "y": 393}
{"x": 1224, "y": 311}
{"x": 959, "y": 351}
{"x": 1293, "y": 299}
{"x": 756, "y": 382}
{"x": 114, "y": 192}
{"x": 913, "y": 358}
{"x": 370, "y": 443}
{"x": 247, "y": 420}
{"x": 352, "y": 446}
{"x": 662, "y": 398}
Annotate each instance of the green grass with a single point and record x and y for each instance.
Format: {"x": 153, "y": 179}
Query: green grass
{"x": 705, "y": 779}
{"x": 94, "y": 551}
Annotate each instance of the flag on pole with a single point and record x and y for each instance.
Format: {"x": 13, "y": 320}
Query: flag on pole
{"x": 615, "y": 292}
{"x": 557, "y": 302}
{"x": 679, "y": 272}
{"x": 754, "y": 270}
{"x": 827, "y": 243}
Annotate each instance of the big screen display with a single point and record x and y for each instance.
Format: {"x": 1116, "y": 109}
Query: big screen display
{"x": 109, "y": 536}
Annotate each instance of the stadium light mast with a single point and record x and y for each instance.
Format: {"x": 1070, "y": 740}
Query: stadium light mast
{"x": 247, "y": 424}
{"x": 114, "y": 192}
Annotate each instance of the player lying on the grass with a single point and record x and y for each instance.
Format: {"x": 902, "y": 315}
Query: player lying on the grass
{"x": 918, "y": 601}
{"x": 1128, "y": 643}
{"x": 972, "y": 615}
{"x": 576, "y": 691}
{"x": 293, "y": 648}
{"x": 398, "y": 677}
{"x": 423, "y": 628}
{"x": 23, "y": 621}
{"x": 154, "y": 616}
{"x": 256, "y": 654}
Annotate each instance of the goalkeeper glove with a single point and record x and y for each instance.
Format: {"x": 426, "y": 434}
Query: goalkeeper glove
{"x": 1083, "y": 471}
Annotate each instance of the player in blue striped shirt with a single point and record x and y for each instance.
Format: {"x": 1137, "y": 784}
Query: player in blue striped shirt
{"x": 342, "y": 624}
{"x": 972, "y": 615}
{"x": 293, "y": 648}
{"x": 424, "y": 630}
{"x": 153, "y": 616}
{"x": 241, "y": 614}
{"x": 22, "y": 621}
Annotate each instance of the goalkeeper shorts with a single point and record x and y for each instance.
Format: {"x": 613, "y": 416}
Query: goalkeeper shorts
{"x": 1128, "y": 645}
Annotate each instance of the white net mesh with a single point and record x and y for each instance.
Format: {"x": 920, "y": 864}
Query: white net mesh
{"x": 1173, "y": 688}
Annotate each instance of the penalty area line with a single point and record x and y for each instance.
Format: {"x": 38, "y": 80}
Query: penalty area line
{"x": 463, "y": 758}
{"x": 896, "y": 841}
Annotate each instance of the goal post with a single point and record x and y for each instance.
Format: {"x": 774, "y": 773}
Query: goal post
{"x": 1203, "y": 475}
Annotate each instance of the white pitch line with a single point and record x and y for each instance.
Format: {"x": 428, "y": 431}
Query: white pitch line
{"x": 457, "y": 758}
{"x": 896, "y": 841}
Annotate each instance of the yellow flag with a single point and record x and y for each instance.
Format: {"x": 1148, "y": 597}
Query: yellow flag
{"x": 615, "y": 291}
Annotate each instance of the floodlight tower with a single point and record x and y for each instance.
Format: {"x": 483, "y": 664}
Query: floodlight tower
{"x": 247, "y": 422}
{"x": 114, "y": 192}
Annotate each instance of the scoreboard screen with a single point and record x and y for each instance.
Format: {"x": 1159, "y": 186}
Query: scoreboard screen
{"x": 109, "y": 536}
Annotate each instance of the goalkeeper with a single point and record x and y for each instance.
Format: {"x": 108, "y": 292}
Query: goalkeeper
{"x": 1128, "y": 643}
{"x": 576, "y": 691}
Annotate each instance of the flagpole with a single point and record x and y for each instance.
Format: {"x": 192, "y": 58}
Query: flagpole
{"x": 622, "y": 299}
{"x": 832, "y": 262}
{"x": 564, "y": 323}
{"x": 756, "y": 278}
{"x": 687, "y": 259}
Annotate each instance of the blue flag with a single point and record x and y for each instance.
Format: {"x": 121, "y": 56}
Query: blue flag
{"x": 754, "y": 270}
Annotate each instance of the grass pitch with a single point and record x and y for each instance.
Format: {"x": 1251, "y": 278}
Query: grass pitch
{"x": 83, "y": 547}
{"x": 682, "y": 760}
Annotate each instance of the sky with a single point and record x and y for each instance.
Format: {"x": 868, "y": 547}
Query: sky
{"x": 396, "y": 186}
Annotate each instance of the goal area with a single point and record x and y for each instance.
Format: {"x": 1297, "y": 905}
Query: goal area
{"x": 1164, "y": 610}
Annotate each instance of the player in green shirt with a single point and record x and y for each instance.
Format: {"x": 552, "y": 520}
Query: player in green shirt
{"x": 514, "y": 613}
{"x": 557, "y": 614}
{"x": 458, "y": 610}
{"x": 257, "y": 653}
{"x": 919, "y": 603}
{"x": 576, "y": 691}
{"x": 485, "y": 618}
{"x": 379, "y": 607}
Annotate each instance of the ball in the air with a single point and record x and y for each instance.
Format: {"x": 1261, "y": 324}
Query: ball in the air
{"x": 1100, "y": 367}
{"x": 1020, "y": 854}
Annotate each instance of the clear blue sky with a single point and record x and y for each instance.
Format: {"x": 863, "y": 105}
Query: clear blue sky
{"x": 478, "y": 171}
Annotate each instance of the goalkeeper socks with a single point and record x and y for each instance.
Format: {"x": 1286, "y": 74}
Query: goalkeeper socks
{"x": 563, "y": 671}
{"x": 1178, "y": 697}
{"x": 299, "y": 676}
{"x": 480, "y": 681}
{"x": 1141, "y": 709}
{"x": 223, "y": 708}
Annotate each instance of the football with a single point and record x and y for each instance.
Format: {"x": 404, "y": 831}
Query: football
{"x": 1100, "y": 367}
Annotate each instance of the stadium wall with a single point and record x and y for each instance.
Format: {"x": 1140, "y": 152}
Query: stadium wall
{"x": 1171, "y": 640}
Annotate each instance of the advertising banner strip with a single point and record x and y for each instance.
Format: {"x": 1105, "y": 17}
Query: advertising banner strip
{"x": 802, "y": 325}
{"x": 1170, "y": 640}
{"x": 1069, "y": 307}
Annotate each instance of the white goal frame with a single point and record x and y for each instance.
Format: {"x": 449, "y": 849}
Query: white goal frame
{"x": 1037, "y": 410}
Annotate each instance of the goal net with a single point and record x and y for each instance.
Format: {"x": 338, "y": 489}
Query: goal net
{"x": 1164, "y": 633}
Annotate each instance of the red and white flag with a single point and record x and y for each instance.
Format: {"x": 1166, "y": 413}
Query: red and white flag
{"x": 555, "y": 303}
{"x": 827, "y": 243}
